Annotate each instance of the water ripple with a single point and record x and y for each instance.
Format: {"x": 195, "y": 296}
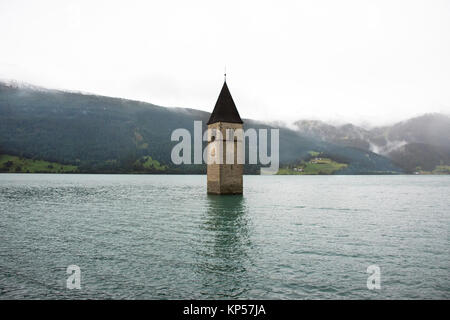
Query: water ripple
{"x": 162, "y": 237}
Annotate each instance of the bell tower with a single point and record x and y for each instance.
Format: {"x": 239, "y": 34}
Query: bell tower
{"x": 224, "y": 177}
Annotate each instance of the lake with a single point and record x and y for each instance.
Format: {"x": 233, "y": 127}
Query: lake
{"x": 163, "y": 237}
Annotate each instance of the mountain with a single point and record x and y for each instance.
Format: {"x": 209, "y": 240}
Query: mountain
{"x": 348, "y": 135}
{"x": 420, "y": 143}
{"x": 103, "y": 134}
{"x": 420, "y": 156}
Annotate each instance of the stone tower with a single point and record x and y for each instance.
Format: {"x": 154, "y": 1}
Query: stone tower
{"x": 224, "y": 178}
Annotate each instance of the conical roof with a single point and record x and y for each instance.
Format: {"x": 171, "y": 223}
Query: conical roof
{"x": 225, "y": 109}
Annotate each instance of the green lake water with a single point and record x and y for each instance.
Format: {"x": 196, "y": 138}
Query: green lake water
{"x": 163, "y": 237}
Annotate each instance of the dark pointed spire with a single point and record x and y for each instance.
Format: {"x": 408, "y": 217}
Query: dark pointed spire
{"x": 225, "y": 109}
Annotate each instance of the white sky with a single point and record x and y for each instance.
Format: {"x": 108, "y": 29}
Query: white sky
{"x": 360, "y": 61}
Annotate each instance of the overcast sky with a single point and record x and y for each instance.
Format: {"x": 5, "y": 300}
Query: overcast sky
{"x": 372, "y": 61}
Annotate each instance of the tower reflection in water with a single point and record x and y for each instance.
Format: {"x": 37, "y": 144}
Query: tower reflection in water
{"x": 223, "y": 255}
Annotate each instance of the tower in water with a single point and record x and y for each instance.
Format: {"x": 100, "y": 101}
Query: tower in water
{"x": 225, "y": 176}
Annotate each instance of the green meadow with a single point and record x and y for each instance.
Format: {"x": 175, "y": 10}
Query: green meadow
{"x": 10, "y": 163}
{"x": 314, "y": 166}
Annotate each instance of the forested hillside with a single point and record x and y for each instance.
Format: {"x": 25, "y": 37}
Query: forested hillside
{"x": 102, "y": 134}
